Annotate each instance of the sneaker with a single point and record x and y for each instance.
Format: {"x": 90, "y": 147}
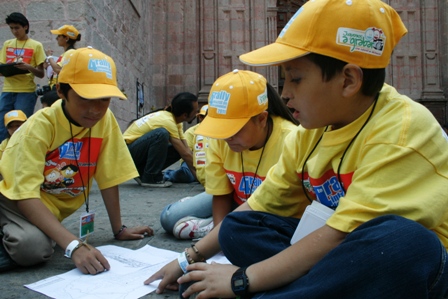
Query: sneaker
{"x": 192, "y": 227}
{"x": 138, "y": 180}
{"x": 161, "y": 184}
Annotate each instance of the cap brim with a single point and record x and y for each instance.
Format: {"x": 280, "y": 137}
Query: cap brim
{"x": 220, "y": 128}
{"x": 272, "y": 54}
{"x": 97, "y": 91}
{"x": 57, "y": 32}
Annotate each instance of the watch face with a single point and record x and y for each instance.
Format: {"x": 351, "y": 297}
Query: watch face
{"x": 238, "y": 283}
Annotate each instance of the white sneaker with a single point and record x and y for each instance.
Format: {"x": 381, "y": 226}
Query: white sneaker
{"x": 192, "y": 227}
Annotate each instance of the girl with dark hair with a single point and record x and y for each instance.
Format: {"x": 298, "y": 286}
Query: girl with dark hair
{"x": 156, "y": 140}
{"x": 248, "y": 122}
{"x": 67, "y": 36}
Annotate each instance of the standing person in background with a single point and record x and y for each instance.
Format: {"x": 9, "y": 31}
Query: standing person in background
{"x": 157, "y": 140}
{"x": 375, "y": 157}
{"x": 198, "y": 146}
{"x": 67, "y": 36}
{"x": 19, "y": 90}
{"x": 247, "y": 122}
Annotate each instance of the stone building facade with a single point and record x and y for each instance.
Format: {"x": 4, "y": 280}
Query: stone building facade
{"x": 184, "y": 45}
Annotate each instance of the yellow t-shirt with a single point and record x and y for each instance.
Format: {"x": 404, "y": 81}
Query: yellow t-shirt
{"x": 224, "y": 171}
{"x": 198, "y": 145}
{"x": 60, "y": 61}
{"x": 3, "y": 146}
{"x": 397, "y": 165}
{"x": 149, "y": 122}
{"x": 42, "y": 155}
{"x": 32, "y": 52}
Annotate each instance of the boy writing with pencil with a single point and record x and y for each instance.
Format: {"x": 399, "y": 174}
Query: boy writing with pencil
{"x": 49, "y": 164}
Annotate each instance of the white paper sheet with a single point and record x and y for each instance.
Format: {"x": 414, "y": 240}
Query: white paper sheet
{"x": 129, "y": 268}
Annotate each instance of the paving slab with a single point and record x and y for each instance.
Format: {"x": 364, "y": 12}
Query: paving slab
{"x": 139, "y": 206}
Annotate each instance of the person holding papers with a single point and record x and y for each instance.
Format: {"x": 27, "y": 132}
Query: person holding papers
{"x": 28, "y": 55}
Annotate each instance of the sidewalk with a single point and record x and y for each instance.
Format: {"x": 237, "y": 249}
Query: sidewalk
{"x": 139, "y": 206}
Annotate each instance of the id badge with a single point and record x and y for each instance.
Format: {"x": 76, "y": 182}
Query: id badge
{"x": 86, "y": 224}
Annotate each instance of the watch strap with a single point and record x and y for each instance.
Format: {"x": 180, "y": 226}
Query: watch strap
{"x": 75, "y": 244}
{"x": 240, "y": 283}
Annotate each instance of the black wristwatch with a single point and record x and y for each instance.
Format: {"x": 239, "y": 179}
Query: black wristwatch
{"x": 240, "y": 282}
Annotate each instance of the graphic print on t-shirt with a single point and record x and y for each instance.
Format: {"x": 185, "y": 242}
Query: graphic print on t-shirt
{"x": 243, "y": 187}
{"x": 69, "y": 167}
{"x": 15, "y": 54}
{"x": 327, "y": 189}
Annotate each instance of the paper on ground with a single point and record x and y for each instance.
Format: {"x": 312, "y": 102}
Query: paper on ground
{"x": 129, "y": 268}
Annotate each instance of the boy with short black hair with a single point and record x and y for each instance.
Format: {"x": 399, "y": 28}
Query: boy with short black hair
{"x": 81, "y": 132}
{"x": 49, "y": 98}
{"x": 29, "y": 55}
{"x": 375, "y": 157}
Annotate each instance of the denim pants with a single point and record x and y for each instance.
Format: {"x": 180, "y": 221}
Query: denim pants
{"x": 24, "y": 101}
{"x": 152, "y": 153}
{"x": 199, "y": 206}
{"x": 181, "y": 175}
{"x": 387, "y": 257}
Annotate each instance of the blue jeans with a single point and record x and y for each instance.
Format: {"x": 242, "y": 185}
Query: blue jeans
{"x": 24, "y": 101}
{"x": 199, "y": 206}
{"x": 181, "y": 175}
{"x": 387, "y": 257}
{"x": 152, "y": 153}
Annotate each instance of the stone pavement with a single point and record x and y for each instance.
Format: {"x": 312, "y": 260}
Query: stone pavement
{"x": 139, "y": 206}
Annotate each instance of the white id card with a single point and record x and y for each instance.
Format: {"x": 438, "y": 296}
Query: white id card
{"x": 86, "y": 224}
{"x": 314, "y": 217}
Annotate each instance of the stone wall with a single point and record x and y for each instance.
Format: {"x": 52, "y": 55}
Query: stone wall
{"x": 152, "y": 42}
{"x": 184, "y": 45}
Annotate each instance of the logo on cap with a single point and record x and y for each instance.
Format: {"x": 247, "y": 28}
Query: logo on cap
{"x": 220, "y": 101}
{"x": 263, "y": 98}
{"x": 371, "y": 41}
{"x": 101, "y": 66}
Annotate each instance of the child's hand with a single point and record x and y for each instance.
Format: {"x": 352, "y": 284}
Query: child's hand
{"x": 89, "y": 260}
{"x": 134, "y": 233}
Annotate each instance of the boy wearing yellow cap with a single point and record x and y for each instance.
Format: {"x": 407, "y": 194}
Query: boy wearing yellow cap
{"x": 66, "y": 36}
{"x": 28, "y": 55}
{"x": 13, "y": 120}
{"x": 373, "y": 156}
{"x": 78, "y": 131}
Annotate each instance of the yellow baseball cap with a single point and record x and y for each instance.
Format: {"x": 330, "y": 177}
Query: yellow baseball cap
{"x": 203, "y": 110}
{"x": 234, "y": 98}
{"x": 362, "y": 32}
{"x": 14, "y": 115}
{"x": 67, "y": 30}
{"x": 91, "y": 74}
